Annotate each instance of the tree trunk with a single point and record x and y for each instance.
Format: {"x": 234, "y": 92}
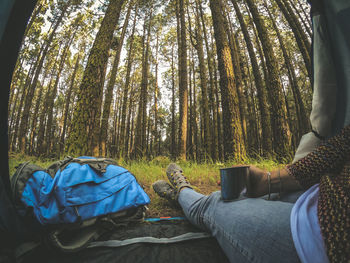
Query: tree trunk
{"x": 289, "y": 118}
{"x": 156, "y": 94}
{"x": 303, "y": 123}
{"x": 16, "y": 113}
{"x": 19, "y": 114}
{"x": 50, "y": 67}
{"x": 127, "y": 132}
{"x": 110, "y": 87}
{"x": 197, "y": 142}
{"x": 207, "y": 143}
{"x": 33, "y": 131}
{"x": 213, "y": 124}
{"x": 233, "y": 139}
{"x": 141, "y": 121}
{"x": 302, "y": 19}
{"x": 258, "y": 47}
{"x": 43, "y": 114}
{"x": 218, "y": 107}
{"x": 53, "y": 94}
{"x": 84, "y": 135}
{"x": 190, "y": 153}
{"x": 183, "y": 92}
{"x": 237, "y": 71}
{"x": 68, "y": 103}
{"x": 306, "y": 14}
{"x": 300, "y": 37}
{"x": 261, "y": 92}
{"x": 126, "y": 88}
{"x": 173, "y": 126}
{"x": 279, "y": 126}
{"x": 31, "y": 89}
{"x": 118, "y": 122}
{"x": 33, "y": 17}
{"x": 131, "y": 126}
{"x": 15, "y": 86}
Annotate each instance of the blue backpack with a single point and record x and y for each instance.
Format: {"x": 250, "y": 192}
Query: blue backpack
{"x": 83, "y": 197}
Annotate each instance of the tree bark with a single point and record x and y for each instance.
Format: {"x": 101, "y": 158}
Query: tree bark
{"x": 233, "y": 138}
{"x": 156, "y": 94}
{"x": 126, "y": 87}
{"x": 261, "y": 92}
{"x": 198, "y": 45}
{"x": 183, "y": 83}
{"x": 49, "y": 109}
{"x": 127, "y": 133}
{"x": 110, "y": 87}
{"x": 300, "y": 36}
{"x": 173, "y": 125}
{"x": 141, "y": 120}
{"x": 278, "y": 121}
{"x": 237, "y": 71}
{"x": 213, "y": 122}
{"x": 302, "y": 19}
{"x": 31, "y": 89}
{"x": 33, "y": 131}
{"x": 68, "y": 103}
{"x": 83, "y": 138}
{"x": 303, "y": 123}
{"x": 43, "y": 119}
{"x": 218, "y": 107}
{"x": 196, "y": 141}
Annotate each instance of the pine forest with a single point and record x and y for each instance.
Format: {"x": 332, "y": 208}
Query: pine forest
{"x": 202, "y": 81}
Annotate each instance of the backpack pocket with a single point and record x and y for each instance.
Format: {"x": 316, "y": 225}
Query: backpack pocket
{"x": 83, "y": 193}
{"x": 94, "y": 191}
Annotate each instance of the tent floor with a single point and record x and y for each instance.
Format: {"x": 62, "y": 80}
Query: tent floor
{"x": 198, "y": 250}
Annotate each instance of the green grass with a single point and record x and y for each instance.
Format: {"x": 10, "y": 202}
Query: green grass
{"x": 204, "y": 177}
{"x": 16, "y": 159}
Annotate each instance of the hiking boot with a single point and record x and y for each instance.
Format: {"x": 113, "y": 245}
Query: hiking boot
{"x": 176, "y": 178}
{"x": 165, "y": 190}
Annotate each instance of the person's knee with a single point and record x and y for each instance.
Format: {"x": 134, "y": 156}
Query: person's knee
{"x": 202, "y": 207}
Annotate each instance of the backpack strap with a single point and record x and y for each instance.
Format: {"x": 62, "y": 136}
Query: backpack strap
{"x": 75, "y": 237}
{"x": 75, "y": 242}
{"x": 53, "y": 168}
{"x": 99, "y": 165}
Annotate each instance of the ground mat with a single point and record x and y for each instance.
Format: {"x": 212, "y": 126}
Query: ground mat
{"x": 163, "y": 241}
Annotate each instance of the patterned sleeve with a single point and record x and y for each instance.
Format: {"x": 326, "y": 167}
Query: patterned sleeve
{"x": 329, "y": 157}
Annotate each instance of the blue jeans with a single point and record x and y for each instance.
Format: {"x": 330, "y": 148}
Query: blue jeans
{"x": 248, "y": 229}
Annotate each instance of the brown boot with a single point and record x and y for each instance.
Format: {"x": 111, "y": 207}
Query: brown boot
{"x": 176, "y": 178}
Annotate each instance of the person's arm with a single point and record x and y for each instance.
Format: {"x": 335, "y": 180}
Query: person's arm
{"x": 329, "y": 157}
{"x": 260, "y": 182}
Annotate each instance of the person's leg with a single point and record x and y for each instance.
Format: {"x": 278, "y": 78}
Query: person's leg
{"x": 248, "y": 230}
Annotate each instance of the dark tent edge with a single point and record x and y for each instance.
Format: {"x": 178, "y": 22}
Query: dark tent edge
{"x": 9, "y": 47}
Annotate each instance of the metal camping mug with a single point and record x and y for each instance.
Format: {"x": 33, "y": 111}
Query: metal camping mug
{"x": 233, "y": 181}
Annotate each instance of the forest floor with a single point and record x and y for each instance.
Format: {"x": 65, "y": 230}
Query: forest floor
{"x": 204, "y": 177}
